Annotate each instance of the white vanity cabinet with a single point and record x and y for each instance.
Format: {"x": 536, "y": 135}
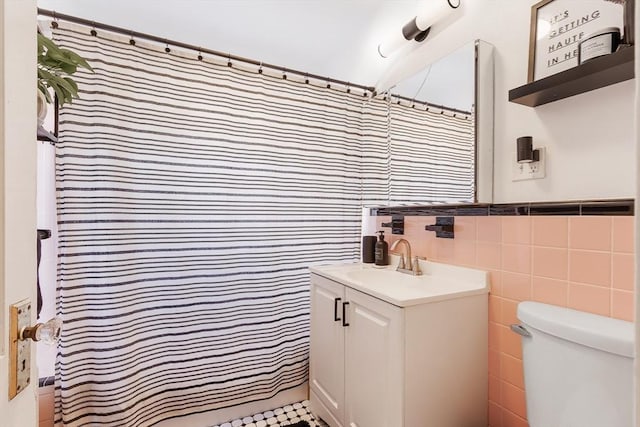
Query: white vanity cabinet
{"x": 416, "y": 363}
{"x": 327, "y": 349}
{"x": 356, "y": 350}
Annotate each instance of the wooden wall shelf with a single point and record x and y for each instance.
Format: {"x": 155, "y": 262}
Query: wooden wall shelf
{"x": 594, "y": 74}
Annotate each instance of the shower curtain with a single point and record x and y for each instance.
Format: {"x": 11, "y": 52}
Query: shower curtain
{"x": 432, "y": 155}
{"x": 192, "y": 198}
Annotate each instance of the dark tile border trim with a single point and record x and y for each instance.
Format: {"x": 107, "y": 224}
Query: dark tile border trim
{"x": 46, "y": 381}
{"x": 622, "y": 207}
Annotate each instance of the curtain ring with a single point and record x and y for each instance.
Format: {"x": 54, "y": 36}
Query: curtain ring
{"x": 260, "y": 68}
{"x": 93, "y": 31}
{"x": 284, "y": 74}
{"x": 229, "y": 63}
{"x": 166, "y": 48}
{"x": 328, "y": 85}
{"x": 348, "y": 87}
{"x": 132, "y": 42}
{"x": 306, "y": 78}
{"x": 200, "y": 54}
{"x": 54, "y": 23}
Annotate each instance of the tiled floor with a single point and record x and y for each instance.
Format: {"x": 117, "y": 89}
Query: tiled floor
{"x": 285, "y": 416}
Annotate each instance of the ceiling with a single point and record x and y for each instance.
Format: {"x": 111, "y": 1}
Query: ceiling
{"x": 333, "y": 38}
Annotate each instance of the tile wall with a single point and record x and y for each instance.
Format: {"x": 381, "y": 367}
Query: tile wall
{"x": 581, "y": 262}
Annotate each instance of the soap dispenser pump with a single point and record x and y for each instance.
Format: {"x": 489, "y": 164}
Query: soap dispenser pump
{"x": 382, "y": 250}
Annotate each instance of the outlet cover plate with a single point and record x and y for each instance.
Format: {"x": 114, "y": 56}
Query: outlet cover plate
{"x": 533, "y": 170}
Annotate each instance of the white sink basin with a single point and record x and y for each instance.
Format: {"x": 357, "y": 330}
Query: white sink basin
{"x": 368, "y": 275}
{"x": 438, "y": 281}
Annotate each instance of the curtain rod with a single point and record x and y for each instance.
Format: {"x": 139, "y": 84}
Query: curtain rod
{"x": 136, "y": 34}
{"x": 427, "y": 104}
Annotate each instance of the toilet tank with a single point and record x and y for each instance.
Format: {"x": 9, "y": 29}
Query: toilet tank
{"x": 578, "y": 367}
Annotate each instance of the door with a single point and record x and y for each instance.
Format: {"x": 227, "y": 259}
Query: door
{"x": 326, "y": 364}
{"x": 374, "y": 349}
{"x": 17, "y": 192}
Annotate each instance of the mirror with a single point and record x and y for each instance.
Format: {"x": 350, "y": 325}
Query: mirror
{"x": 441, "y": 131}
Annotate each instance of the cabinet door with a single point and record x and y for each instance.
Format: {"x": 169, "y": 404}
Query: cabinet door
{"x": 374, "y": 362}
{"x": 326, "y": 364}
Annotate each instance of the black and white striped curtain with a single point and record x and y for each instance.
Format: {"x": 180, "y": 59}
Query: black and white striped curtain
{"x": 432, "y": 155}
{"x": 192, "y": 198}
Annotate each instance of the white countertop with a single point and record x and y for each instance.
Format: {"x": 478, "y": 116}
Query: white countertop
{"x": 438, "y": 281}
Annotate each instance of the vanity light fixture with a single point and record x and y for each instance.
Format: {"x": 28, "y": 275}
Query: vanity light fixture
{"x": 526, "y": 153}
{"x": 418, "y": 28}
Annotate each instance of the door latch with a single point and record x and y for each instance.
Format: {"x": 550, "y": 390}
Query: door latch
{"x": 21, "y": 335}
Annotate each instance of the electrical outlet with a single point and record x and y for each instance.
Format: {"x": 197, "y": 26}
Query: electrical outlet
{"x": 533, "y": 170}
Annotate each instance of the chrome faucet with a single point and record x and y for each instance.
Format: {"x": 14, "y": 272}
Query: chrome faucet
{"x": 411, "y": 265}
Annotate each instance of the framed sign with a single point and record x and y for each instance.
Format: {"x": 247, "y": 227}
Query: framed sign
{"x": 557, "y": 26}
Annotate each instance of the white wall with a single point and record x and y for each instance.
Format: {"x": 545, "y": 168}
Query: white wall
{"x": 589, "y": 138}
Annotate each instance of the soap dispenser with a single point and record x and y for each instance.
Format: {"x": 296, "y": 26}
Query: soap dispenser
{"x": 382, "y": 250}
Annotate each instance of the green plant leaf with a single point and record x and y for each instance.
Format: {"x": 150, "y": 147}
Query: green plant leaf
{"x": 67, "y": 58}
{"x": 73, "y": 84}
{"x": 59, "y": 92}
{"x": 55, "y": 65}
{"x": 46, "y": 42}
{"x": 68, "y": 68}
{"x": 64, "y": 84}
{"x": 56, "y": 55}
{"x": 78, "y": 60}
{"x": 45, "y": 75}
{"x": 50, "y": 64}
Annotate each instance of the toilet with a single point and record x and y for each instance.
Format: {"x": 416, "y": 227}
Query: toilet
{"x": 578, "y": 367}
